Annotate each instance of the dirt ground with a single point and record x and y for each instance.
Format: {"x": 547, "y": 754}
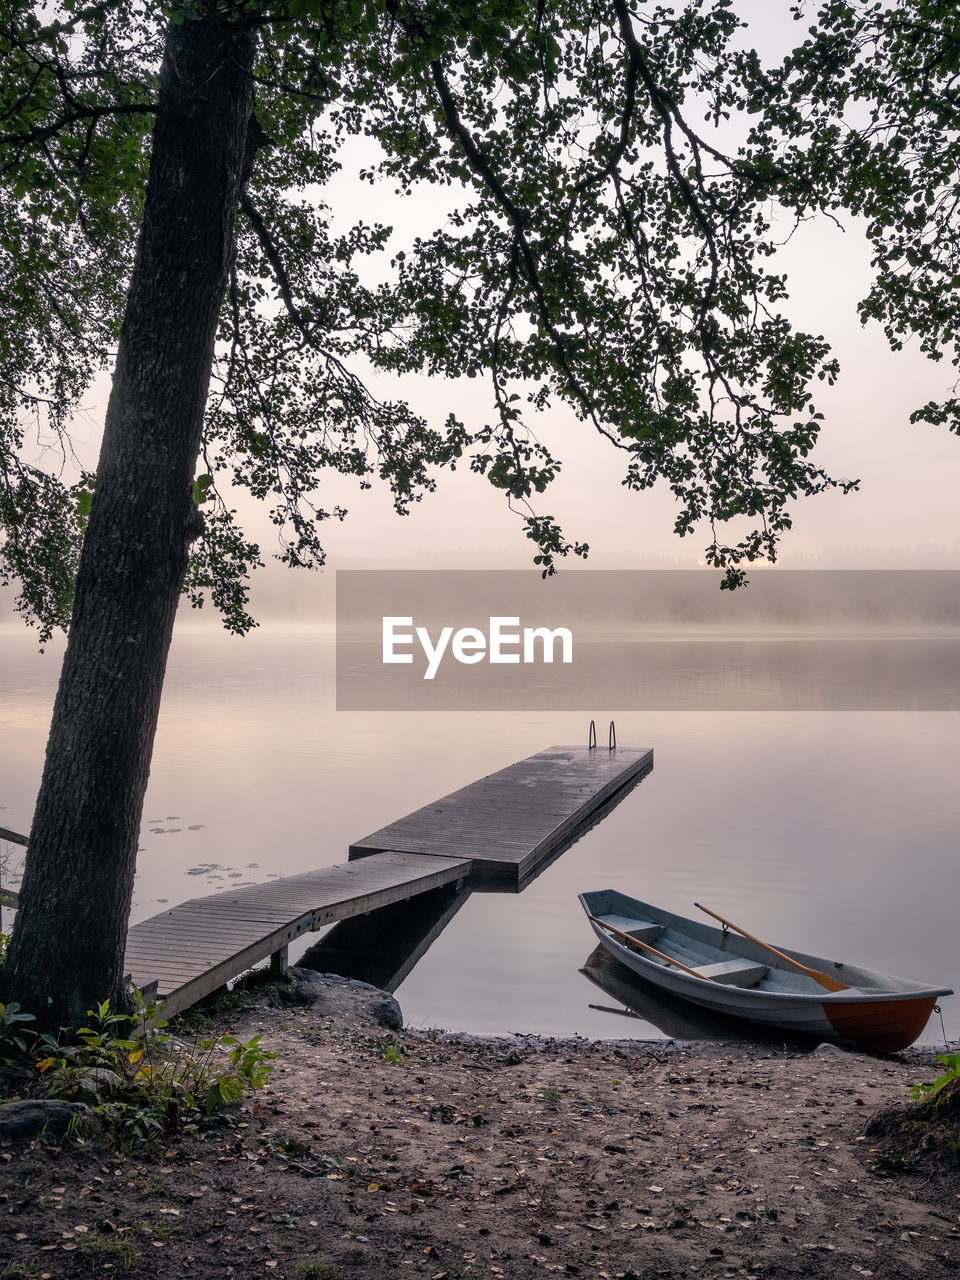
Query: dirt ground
{"x": 379, "y": 1154}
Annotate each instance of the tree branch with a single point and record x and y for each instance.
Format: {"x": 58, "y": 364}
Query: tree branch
{"x": 30, "y": 136}
{"x": 482, "y": 168}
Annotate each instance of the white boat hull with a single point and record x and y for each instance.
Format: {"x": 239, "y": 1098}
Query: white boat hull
{"x": 876, "y": 1011}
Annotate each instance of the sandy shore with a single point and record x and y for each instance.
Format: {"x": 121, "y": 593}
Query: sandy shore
{"x": 375, "y": 1153}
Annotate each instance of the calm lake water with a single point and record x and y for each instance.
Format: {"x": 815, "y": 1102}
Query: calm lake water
{"x": 835, "y": 832}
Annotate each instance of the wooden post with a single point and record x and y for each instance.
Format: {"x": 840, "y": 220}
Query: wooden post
{"x": 7, "y": 896}
{"x": 278, "y": 962}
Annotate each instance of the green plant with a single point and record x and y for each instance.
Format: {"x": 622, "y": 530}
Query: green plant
{"x": 392, "y": 1052}
{"x": 144, "y": 1086}
{"x": 550, "y": 1095}
{"x": 250, "y": 1070}
{"x": 249, "y": 1061}
{"x": 924, "y": 1092}
{"x": 12, "y": 1029}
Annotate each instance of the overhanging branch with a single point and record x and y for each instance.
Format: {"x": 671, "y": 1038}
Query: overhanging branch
{"x": 483, "y": 169}
{"x": 30, "y": 136}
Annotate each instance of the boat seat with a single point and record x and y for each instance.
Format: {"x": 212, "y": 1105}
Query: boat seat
{"x": 735, "y": 972}
{"x": 642, "y": 930}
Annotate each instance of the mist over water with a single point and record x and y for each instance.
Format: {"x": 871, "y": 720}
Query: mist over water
{"x": 831, "y": 831}
{"x": 648, "y": 641}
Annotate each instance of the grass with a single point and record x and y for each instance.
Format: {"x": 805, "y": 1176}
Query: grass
{"x": 19, "y": 1271}
{"x": 151, "y": 1186}
{"x": 118, "y": 1248}
{"x": 316, "y": 1269}
{"x": 163, "y": 1230}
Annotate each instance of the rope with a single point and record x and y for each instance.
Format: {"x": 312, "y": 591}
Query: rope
{"x": 943, "y": 1030}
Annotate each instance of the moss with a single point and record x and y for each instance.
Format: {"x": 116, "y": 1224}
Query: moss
{"x": 924, "y": 1134}
{"x": 944, "y": 1103}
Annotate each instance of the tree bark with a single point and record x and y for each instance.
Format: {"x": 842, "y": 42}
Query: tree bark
{"x": 68, "y": 942}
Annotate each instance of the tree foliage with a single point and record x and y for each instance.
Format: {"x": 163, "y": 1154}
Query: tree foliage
{"x": 606, "y": 248}
{"x": 866, "y": 113}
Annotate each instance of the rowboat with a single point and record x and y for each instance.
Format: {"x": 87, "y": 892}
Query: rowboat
{"x": 729, "y": 971}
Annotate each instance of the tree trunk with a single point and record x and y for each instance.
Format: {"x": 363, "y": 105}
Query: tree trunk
{"x": 68, "y": 942}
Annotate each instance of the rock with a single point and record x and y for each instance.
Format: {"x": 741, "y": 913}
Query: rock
{"x": 332, "y": 995}
{"x": 826, "y": 1050}
{"x": 31, "y": 1117}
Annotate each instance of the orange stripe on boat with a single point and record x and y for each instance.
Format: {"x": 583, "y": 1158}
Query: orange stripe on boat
{"x": 880, "y": 1025}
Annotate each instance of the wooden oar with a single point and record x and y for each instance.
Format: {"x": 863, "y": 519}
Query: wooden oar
{"x": 643, "y": 946}
{"x": 824, "y": 979}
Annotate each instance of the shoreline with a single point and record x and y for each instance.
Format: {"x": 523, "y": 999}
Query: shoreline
{"x": 920, "y": 1054}
{"x": 378, "y": 1151}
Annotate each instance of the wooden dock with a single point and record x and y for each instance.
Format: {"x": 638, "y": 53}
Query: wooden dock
{"x": 498, "y": 832}
{"x": 184, "y": 954}
{"x": 510, "y": 822}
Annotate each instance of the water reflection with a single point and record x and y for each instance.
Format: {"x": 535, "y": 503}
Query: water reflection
{"x": 383, "y": 946}
{"x": 661, "y": 1014}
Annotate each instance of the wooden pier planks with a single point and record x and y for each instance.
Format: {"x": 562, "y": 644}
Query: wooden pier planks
{"x": 511, "y": 821}
{"x": 196, "y": 947}
{"x": 505, "y": 826}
